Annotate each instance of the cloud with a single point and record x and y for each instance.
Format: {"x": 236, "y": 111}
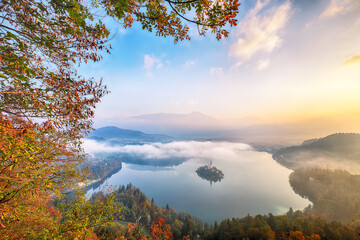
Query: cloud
{"x": 236, "y": 65}
{"x": 337, "y": 7}
{"x": 216, "y": 71}
{"x": 260, "y": 30}
{"x": 188, "y": 64}
{"x": 151, "y": 63}
{"x": 354, "y": 59}
{"x": 175, "y": 103}
{"x": 193, "y": 103}
{"x": 263, "y": 64}
{"x": 179, "y": 149}
{"x": 122, "y": 31}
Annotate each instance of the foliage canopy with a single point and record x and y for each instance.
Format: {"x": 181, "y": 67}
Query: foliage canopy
{"x": 46, "y": 106}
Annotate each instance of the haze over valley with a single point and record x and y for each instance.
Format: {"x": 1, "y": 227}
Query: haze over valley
{"x": 197, "y": 125}
{"x": 164, "y": 167}
{"x": 166, "y": 171}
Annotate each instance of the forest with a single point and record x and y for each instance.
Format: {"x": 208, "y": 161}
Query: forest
{"x": 293, "y": 225}
{"x": 139, "y": 215}
{"x": 335, "y": 194}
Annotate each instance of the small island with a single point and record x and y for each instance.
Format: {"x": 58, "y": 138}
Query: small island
{"x": 210, "y": 173}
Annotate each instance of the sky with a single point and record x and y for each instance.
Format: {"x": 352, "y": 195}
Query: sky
{"x": 287, "y": 61}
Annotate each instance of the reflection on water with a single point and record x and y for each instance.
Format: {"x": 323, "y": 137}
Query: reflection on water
{"x": 138, "y": 167}
{"x": 254, "y": 184}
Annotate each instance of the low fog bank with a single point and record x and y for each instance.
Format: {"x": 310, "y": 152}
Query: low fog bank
{"x": 177, "y": 149}
{"x": 326, "y": 161}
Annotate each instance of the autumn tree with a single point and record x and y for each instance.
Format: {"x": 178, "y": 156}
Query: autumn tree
{"x": 45, "y": 105}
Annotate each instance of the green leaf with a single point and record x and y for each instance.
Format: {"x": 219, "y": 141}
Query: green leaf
{"x": 3, "y": 76}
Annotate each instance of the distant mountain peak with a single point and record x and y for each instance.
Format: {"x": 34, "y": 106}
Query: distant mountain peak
{"x": 196, "y": 113}
{"x": 165, "y": 117}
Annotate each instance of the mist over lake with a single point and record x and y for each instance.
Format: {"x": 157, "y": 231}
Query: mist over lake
{"x": 253, "y": 182}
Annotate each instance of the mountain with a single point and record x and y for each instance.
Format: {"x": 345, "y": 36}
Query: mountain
{"x": 111, "y": 132}
{"x": 194, "y": 124}
{"x": 114, "y": 132}
{"x": 340, "y": 150}
{"x": 197, "y": 125}
{"x": 194, "y": 121}
{"x": 180, "y": 119}
{"x": 96, "y": 138}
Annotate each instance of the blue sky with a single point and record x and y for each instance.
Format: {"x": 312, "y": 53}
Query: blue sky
{"x": 286, "y": 61}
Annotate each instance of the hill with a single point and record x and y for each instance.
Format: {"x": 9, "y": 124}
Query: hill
{"x": 334, "y": 193}
{"x": 115, "y": 133}
{"x": 340, "y": 150}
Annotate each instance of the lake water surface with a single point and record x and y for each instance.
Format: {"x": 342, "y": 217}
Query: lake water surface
{"x": 253, "y": 183}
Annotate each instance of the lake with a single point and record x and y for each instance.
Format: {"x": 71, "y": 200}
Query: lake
{"x": 253, "y": 182}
